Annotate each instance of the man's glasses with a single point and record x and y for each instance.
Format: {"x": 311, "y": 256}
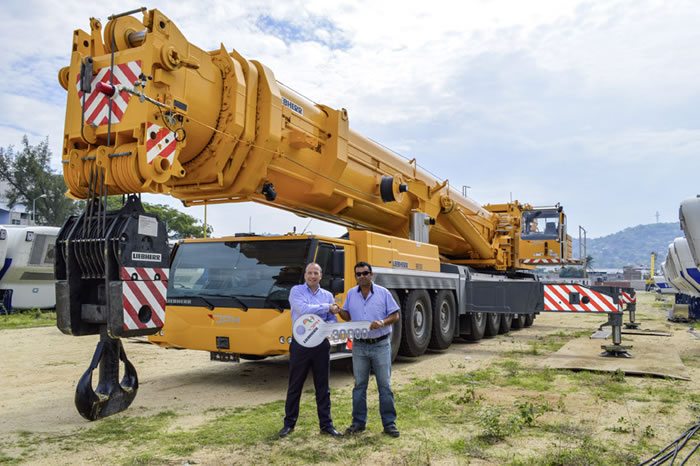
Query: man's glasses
{"x": 362, "y": 274}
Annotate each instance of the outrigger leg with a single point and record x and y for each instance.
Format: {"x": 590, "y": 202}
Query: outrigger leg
{"x": 616, "y": 350}
{"x": 632, "y": 324}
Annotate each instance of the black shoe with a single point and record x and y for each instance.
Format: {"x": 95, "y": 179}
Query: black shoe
{"x": 354, "y": 429}
{"x": 286, "y": 430}
{"x": 330, "y": 430}
{"x": 391, "y": 431}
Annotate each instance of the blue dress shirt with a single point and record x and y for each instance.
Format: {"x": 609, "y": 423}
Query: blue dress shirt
{"x": 379, "y": 305}
{"x": 304, "y": 300}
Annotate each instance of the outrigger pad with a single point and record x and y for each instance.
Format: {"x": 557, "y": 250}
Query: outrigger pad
{"x": 649, "y": 357}
{"x": 112, "y": 396}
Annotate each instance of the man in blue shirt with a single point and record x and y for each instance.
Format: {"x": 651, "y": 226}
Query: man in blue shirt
{"x": 310, "y": 298}
{"x": 371, "y": 302}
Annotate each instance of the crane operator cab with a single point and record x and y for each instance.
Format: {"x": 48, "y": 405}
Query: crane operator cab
{"x": 543, "y": 240}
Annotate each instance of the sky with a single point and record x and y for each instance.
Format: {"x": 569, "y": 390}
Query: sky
{"x": 592, "y": 104}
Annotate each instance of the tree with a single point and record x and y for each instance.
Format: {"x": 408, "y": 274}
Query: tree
{"x": 588, "y": 263}
{"x": 180, "y": 225}
{"x": 29, "y": 175}
{"x": 570, "y": 272}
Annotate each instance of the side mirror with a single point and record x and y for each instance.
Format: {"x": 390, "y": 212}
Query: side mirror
{"x": 337, "y": 286}
{"x": 338, "y": 264}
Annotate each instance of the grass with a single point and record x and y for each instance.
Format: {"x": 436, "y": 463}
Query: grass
{"x": 588, "y": 452}
{"x": 547, "y": 344}
{"x": 28, "y": 319}
{"x": 443, "y": 417}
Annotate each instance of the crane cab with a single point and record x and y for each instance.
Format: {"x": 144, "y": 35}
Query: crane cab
{"x": 543, "y": 238}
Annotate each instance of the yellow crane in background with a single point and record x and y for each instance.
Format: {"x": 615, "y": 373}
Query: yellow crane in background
{"x": 649, "y": 283}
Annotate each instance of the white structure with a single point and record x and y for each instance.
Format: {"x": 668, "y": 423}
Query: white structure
{"x": 27, "y": 276}
{"x": 686, "y": 266}
{"x": 690, "y": 224}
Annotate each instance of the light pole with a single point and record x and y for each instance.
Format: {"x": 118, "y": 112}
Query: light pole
{"x": 34, "y": 205}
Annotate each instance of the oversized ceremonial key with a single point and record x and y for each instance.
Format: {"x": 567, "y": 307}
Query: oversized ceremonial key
{"x": 309, "y": 330}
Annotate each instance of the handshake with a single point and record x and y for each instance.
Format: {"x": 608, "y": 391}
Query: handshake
{"x": 334, "y": 309}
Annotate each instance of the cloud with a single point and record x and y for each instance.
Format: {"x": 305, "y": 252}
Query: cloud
{"x": 589, "y": 103}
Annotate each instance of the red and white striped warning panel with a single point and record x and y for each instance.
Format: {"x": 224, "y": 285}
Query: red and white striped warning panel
{"x": 541, "y": 261}
{"x": 160, "y": 142}
{"x": 557, "y": 298}
{"x": 96, "y": 106}
{"x": 144, "y": 292}
{"x": 627, "y": 298}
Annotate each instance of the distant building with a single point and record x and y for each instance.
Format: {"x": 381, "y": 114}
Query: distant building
{"x": 17, "y": 215}
{"x": 632, "y": 272}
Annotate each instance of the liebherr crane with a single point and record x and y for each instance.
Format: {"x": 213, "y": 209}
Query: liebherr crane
{"x": 149, "y": 112}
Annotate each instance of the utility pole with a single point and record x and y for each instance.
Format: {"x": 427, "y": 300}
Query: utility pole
{"x": 657, "y": 216}
{"x": 582, "y": 249}
{"x": 465, "y": 190}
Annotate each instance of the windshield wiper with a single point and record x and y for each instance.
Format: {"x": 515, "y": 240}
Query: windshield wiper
{"x": 267, "y": 299}
{"x": 277, "y": 305}
{"x": 210, "y": 306}
{"x": 234, "y": 297}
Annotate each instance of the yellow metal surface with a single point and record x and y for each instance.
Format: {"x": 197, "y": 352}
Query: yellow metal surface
{"x": 239, "y": 135}
{"x": 257, "y": 331}
{"x": 391, "y": 252}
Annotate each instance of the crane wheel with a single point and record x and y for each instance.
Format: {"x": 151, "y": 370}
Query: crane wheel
{"x": 444, "y": 320}
{"x": 529, "y": 319}
{"x": 396, "y": 328}
{"x": 518, "y": 322}
{"x": 417, "y": 324}
{"x": 477, "y": 326}
{"x": 506, "y": 322}
{"x": 493, "y": 324}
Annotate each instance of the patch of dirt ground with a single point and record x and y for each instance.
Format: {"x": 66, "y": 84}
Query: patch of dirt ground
{"x": 40, "y": 367}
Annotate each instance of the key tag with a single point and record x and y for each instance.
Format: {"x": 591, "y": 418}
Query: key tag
{"x": 309, "y": 330}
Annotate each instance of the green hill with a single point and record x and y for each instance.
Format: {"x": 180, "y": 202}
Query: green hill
{"x": 631, "y": 246}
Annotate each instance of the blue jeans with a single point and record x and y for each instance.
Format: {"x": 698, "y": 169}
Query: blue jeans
{"x": 376, "y": 356}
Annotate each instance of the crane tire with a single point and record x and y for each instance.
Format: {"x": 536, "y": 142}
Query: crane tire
{"x": 444, "y": 320}
{"x": 518, "y": 322}
{"x": 493, "y": 323}
{"x": 506, "y": 321}
{"x": 396, "y": 328}
{"x": 477, "y": 325}
{"x": 529, "y": 319}
{"x": 417, "y": 324}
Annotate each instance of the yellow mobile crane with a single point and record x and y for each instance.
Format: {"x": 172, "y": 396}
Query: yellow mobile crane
{"x": 149, "y": 112}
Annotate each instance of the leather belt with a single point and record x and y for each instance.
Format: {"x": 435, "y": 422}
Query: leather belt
{"x": 371, "y": 341}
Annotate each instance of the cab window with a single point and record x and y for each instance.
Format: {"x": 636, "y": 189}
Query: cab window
{"x": 540, "y": 225}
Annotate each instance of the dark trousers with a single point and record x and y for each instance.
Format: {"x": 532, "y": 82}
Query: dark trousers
{"x": 302, "y": 359}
